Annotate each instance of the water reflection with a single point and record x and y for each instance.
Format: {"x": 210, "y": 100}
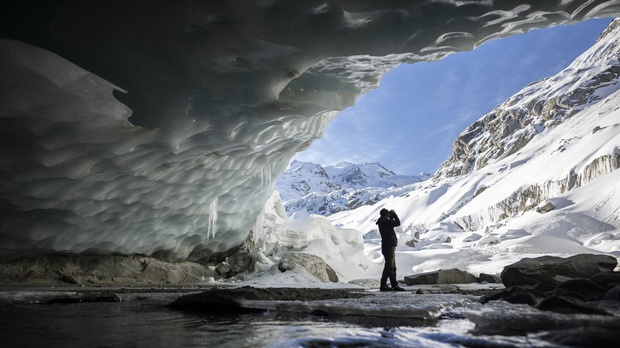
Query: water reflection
{"x": 153, "y": 325}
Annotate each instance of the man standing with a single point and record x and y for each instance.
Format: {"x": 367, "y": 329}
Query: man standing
{"x": 386, "y": 222}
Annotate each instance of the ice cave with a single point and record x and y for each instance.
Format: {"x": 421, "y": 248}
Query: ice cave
{"x": 161, "y": 126}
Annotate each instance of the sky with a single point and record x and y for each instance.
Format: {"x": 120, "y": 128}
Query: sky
{"x": 409, "y": 123}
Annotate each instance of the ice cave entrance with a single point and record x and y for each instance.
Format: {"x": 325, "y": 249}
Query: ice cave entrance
{"x": 409, "y": 123}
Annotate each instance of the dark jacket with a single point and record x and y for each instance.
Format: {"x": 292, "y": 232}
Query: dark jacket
{"x": 386, "y": 228}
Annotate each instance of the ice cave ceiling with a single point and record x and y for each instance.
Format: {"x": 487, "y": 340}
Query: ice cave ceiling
{"x": 160, "y": 126}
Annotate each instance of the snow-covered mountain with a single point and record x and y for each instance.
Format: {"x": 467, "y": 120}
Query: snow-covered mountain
{"x": 309, "y": 188}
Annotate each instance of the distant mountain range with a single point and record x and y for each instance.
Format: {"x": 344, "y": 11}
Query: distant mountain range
{"x": 309, "y": 188}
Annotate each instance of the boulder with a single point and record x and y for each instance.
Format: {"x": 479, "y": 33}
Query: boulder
{"x": 568, "y": 305}
{"x": 583, "y": 289}
{"x": 489, "y": 278}
{"x": 241, "y": 262}
{"x": 606, "y": 279}
{"x": 545, "y": 207}
{"x": 531, "y": 271}
{"x": 312, "y": 264}
{"x": 448, "y": 276}
{"x": 223, "y": 270}
{"x": 515, "y": 294}
{"x": 613, "y": 294}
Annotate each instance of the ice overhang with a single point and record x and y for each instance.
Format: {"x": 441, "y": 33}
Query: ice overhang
{"x": 160, "y": 126}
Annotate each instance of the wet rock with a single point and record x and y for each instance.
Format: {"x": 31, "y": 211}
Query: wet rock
{"x": 613, "y": 294}
{"x": 522, "y": 298}
{"x": 489, "y": 278}
{"x": 516, "y": 294}
{"x": 606, "y": 279}
{"x": 583, "y": 289}
{"x": 449, "y": 276}
{"x": 531, "y": 271}
{"x": 568, "y": 305}
{"x": 103, "y": 296}
{"x": 310, "y": 263}
{"x": 231, "y": 300}
{"x": 546, "y": 285}
{"x": 590, "y": 336}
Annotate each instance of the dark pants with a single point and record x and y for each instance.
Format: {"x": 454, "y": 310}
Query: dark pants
{"x": 389, "y": 270}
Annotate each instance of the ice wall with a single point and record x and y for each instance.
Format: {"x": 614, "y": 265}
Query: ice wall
{"x": 161, "y": 127}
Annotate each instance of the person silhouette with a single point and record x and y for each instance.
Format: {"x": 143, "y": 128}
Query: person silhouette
{"x": 386, "y": 222}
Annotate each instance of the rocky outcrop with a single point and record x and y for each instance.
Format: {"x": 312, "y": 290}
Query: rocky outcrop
{"x": 536, "y": 110}
{"x": 448, "y": 276}
{"x": 489, "y": 278}
{"x": 511, "y": 126}
{"x": 529, "y": 197}
{"x": 532, "y": 271}
{"x": 571, "y": 285}
{"x": 101, "y": 269}
{"x": 312, "y": 264}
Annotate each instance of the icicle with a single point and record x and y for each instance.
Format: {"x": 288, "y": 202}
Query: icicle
{"x": 265, "y": 174}
{"x": 212, "y": 219}
{"x": 258, "y": 225}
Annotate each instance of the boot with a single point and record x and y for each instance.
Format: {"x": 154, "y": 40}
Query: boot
{"x": 397, "y": 288}
{"x": 384, "y": 286}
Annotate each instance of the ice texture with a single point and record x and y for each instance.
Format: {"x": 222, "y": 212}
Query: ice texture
{"x": 162, "y": 128}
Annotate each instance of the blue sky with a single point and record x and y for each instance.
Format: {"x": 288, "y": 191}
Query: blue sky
{"x": 409, "y": 123}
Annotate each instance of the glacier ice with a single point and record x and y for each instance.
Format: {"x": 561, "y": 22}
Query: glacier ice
{"x": 163, "y": 128}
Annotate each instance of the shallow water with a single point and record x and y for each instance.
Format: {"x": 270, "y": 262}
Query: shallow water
{"x": 153, "y": 325}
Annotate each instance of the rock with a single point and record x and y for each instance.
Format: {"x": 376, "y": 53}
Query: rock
{"x": 313, "y": 264}
{"x": 244, "y": 299}
{"x": 450, "y": 276}
{"x": 100, "y": 269}
{"x": 522, "y": 298}
{"x": 589, "y": 336}
{"x": 606, "y": 279}
{"x": 568, "y": 305}
{"x": 546, "y": 286}
{"x": 223, "y": 270}
{"x": 489, "y": 278}
{"x": 516, "y": 294}
{"x": 583, "y": 289}
{"x": 613, "y": 294}
{"x": 531, "y": 271}
{"x": 545, "y": 208}
{"x": 241, "y": 262}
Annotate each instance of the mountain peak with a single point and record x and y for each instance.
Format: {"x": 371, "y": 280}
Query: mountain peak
{"x": 324, "y": 190}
